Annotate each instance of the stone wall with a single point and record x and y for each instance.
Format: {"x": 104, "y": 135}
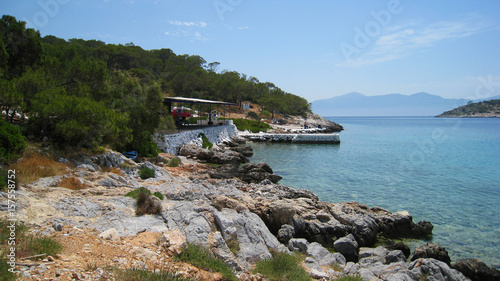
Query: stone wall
{"x": 172, "y": 143}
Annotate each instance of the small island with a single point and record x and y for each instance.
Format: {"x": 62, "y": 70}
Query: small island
{"x": 485, "y": 109}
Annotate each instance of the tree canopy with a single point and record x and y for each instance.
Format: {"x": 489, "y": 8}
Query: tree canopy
{"x": 88, "y": 93}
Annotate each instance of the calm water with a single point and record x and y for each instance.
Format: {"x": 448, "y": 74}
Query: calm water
{"x": 442, "y": 170}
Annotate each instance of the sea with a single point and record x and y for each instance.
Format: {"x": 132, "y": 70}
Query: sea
{"x": 442, "y": 170}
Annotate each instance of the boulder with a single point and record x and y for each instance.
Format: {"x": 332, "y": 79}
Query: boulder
{"x": 191, "y": 150}
{"x": 431, "y": 250}
{"x": 394, "y": 256}
{"x": 255, "y": 173}
{"x": 476, "y": 270}
{"x": 228, "y": 157}
{"x": 286, "y": 233}
{"x": 110, "y": 234}
{"x": 249, "y": 233}
{"x": 317, "y": 251}
{"x": 400, "y": 246}
{"x": 173, "y": 241}
{"x": 298, "y": 245}
{"x": 434, "y": 270}
{"x": 348, "y": 247}
{"x": 250, "y": 173}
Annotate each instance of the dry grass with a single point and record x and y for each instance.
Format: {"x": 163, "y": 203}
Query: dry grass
{"x": 72, "y": 183}
{"x": 113, "y": 170}
{"x": 33, "y": 166}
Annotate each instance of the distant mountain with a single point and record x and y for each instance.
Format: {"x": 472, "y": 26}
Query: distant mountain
{"x": 489, "y": 108}
{"x": 356, "y": 104}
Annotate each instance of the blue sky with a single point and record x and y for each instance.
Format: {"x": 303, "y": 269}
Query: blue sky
{"x": 314, "y": 49}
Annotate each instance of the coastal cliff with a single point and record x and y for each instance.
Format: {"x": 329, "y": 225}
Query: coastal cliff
{"x": 243, "y": 219}
{"x": 479, "y": 109}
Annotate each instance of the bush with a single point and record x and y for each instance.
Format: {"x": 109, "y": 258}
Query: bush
{"x": 26, "y": 243}
{"x": 146, "y": 173}
{"x": 253, "y": 115}
{"x": 12, "y": 142}
{"x": 146, "y": 204}
{"x": 146, "y": 146}
{"x": 206, "y": 143}
{"x": 282, "y": 266}
{"x": 204, "y": 259}
{"x": 174, "y": 162}
{"x": 158, "y": 195}
{"x": 5, "y": 274}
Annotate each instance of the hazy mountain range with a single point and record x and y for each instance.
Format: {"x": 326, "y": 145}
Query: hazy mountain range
{"x": 356, "y": 104}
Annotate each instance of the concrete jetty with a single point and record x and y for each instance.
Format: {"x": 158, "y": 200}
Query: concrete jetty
{"x": 292, "y": 138}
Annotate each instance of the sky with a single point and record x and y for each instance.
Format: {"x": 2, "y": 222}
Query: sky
{"x": 314, "y": 49}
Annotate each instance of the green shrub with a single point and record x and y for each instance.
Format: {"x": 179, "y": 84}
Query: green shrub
{"x": 158, "y": 195}
{"x": 206, "y": 142}
{"x": 250, "y": 125}
{"x": 5, "y": 274}
{"x": 146, "y": 173}
{"x": 282, "y": 266}
{"x": 146, "y": 146}
{"x": 146, "y": 205}
{"x": 26, "y": 243}
{"x": 44, "y": 245}
{"x": 204, "y": 259}
{"x": 12, "y": 142}
{"x": 3, "y": 179}
{"x": 135, "y": 192}
{"x": 174, "y": 162}
{"x": 253, "y": 115}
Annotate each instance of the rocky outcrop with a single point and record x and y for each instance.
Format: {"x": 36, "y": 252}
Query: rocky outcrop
{"x": 216, "y": 156}
{"x": 241, "y": 222}
{"x": 476, "y": 270}
{"x": 431, "y": 250}
{"x": 250, "y": 173}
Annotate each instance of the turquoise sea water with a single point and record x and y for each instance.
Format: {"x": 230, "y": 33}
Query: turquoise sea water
{"x": 443, "y": 170}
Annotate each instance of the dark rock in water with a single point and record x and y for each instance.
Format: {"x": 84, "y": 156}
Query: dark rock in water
{"x": 221, "y": 156}
{"x": 250, "y": 173}
{"x": 431, "y": 250}
{"x": 255, "y": 173}
{"x": 348, "y": 247}
{"x": 228, "y": 157}
{"x": 400, "y": 246}
{"x": 476, "y": 270}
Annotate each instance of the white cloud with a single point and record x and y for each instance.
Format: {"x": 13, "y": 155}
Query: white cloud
{"x": 243, "y": 27}
{"x": 402, "y": 41}
{"x": 188, "y": 23}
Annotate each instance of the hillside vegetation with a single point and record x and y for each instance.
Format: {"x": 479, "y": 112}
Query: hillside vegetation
{"x": 86, "y": 93}
{"x": 479, "y": 109}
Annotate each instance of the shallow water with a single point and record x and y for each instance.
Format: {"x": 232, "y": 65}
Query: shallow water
{"x": 443, "y": 170}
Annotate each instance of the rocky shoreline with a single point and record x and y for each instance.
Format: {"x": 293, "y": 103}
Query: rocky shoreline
{"x": 217, "y": 207}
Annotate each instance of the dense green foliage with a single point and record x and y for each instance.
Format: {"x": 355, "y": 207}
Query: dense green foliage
{"x": 85, "y": 93}
{"x": 477, "y": 108}
{"x": 134, "y": 193}
{"x": 282, "y": 266}
{"x": 205, "y": 142}
{"x": 146, "y": 173}
{"x": 251, "y": 126}
{"x": 204, "y": 259}
{"x": 12, "y": 142}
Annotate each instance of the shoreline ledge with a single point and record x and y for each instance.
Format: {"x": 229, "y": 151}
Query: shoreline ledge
{"x": 255, "y": 214}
